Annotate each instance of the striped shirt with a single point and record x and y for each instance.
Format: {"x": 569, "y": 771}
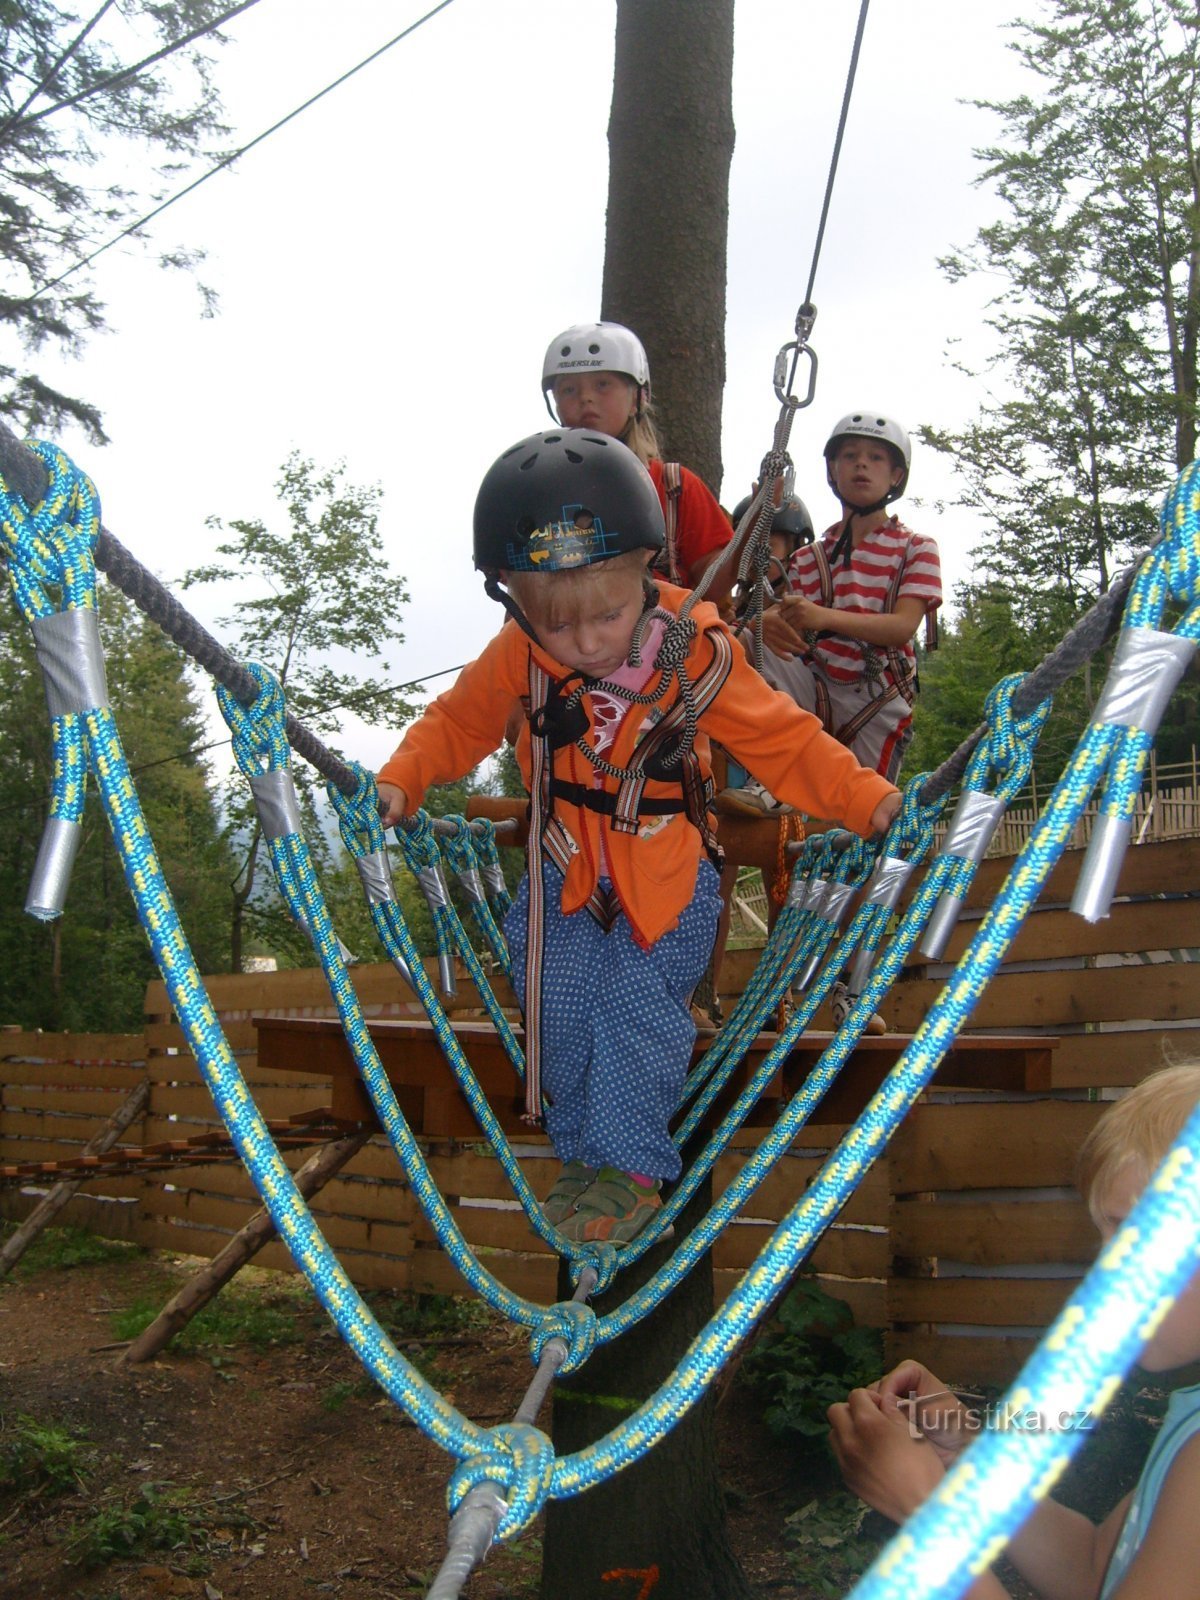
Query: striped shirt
{"x": 865, "y": 586}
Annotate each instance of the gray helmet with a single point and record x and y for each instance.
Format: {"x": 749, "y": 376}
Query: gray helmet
{"x": 596, "y": 347}
{"x": 791, "y": 518}
{"x": 565, "y": 498}
{"x": 872, "y": 425}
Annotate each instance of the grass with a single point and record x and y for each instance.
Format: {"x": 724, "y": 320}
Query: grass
{"x": 417, "y": 1316}
{"x": 42, "y": 1457}
{"x": 262, "y": 1318}
{"x": 60, "y": 1249}
{"x": 155, "y": 1517}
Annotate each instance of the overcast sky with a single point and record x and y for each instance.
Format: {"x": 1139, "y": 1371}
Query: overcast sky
{"x": 392, "y": 265}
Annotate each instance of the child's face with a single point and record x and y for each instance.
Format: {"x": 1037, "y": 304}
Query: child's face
{"x": 1176, "y": 1340}
{"x": 863, "y": 471}
{"x": 602, "y": 401}
{"x": 586, "y": 618}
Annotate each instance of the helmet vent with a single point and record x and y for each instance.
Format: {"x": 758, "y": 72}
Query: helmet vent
{"x": 573, "y": 455}
{"x": 593, "y": 349}
{"x": 565, "y": 350}
{"x": 591, "y": 439}
{"x": 528, "y": 462}
{"x": 525, "y": 528}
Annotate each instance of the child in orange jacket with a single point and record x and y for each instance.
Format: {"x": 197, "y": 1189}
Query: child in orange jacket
{"x": 614, "y": 922}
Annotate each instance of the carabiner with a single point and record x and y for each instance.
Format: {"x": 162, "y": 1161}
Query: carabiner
{"x": 784, "y": 378}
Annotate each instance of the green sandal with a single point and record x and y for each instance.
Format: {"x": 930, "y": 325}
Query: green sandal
{"x": 572, "y": 1183}
{"x": 614, "y": 1209}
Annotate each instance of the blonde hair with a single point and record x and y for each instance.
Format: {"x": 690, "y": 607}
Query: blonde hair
{"x": 558, "y": 597}
{"x": 641, "y": 435}
{"x": 1135, "y": 1135}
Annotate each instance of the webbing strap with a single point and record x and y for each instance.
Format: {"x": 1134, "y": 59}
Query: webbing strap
{"x": 667, "y": 562}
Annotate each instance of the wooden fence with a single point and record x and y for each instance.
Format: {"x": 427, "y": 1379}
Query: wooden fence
{"x": 962, "y": 1241}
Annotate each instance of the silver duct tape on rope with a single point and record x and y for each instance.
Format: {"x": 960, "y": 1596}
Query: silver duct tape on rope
{"x": 884, "y": 888}
{"x": 276, "y": 803}
{"x": 51, "y": 876}
{"x": 493, "y": 877}
{"x": 975, "y": 820}
{"x": 71, "y": 657}
{"x": 437, "y": 897}
{"x": 472, "y": 885}
{"x": 375, "y": 873}
{"x": 1146, "y": 669}
{"x": 831, "y": 907}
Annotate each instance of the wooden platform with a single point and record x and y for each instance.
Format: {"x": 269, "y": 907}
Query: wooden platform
{"x": 435, "y": 1108}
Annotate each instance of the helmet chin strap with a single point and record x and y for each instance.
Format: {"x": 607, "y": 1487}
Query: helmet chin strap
{"x": 492, "y": 589}
{"x": 844, "y": 544}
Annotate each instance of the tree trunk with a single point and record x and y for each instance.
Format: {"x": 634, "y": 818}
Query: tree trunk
{"x": 657, "y": 1529}
{"x": 670, "y": 142}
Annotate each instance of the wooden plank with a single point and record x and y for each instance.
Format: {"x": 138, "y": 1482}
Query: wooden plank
{"x": 864, "y": 1297}
{"x": 848, "y": 1252}
{"x": 1132, "y": 925}
{"x": 169, "y": 1036}
{"x": 533, "y": 1277}
{"x": 71, "y": 1047}
{"x": 55, "y": 1126}
{"x": 1119, "y": 1059}
{"x": 175, "y": 1100}
{"x": 959, "y": 1359}
{"x": 1002, "y": 1302}
{"x": 110, "y": 1215}
{"x": 102, "y": 1190}
{"x": 1011, "y": 1144}
{"x": 994, "y": 1233}
{"x": 779, "y": 1191}
{"x": 73, "y": 1074}
{"x": 18, "y": 1150}
{"x": 1159, "y": 868}
{"x": 1049, "y": 1000}
{"x": 72, "y": 1102}
{"x": 211, "y": 1211}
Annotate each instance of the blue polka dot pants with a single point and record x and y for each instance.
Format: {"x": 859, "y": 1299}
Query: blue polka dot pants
{"x": 617, "y": 1030}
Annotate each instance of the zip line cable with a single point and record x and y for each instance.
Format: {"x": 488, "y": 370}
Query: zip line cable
{"x": 837, "y": 146}
{"x": 227, "y": 161}
{"x": 20, "y": 120}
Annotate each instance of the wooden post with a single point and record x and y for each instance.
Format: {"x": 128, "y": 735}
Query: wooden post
{"x": 260, "y": 1230}
{"x": 130, "y": 1108}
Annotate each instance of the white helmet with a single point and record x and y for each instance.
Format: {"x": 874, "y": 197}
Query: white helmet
{"x": 597, "y": 347}
{"x": 871, "y": 425}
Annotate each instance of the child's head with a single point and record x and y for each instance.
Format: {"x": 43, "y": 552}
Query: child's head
{"x": 790, "y": 527}
{"x": 568, "y": 520}
{"x": 596, "y": 375}
{"x": 1117, "y": 1160}
{"x": 867, "y": 457}
{"x": 1122, "y": 1151}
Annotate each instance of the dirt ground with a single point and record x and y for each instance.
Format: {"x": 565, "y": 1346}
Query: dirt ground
{"x": 275, "y": 1471}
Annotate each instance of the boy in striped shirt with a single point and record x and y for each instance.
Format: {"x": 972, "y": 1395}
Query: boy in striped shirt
{"x": 840, "y": 641}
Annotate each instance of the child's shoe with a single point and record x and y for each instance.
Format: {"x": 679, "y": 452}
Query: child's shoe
{"x": 572, "y": 1183}
{"x": 753, "y": 800}
{"x": 840, "y": 1003}
{"x": 614, "y": 1210}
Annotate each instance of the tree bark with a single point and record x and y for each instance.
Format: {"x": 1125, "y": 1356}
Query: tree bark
{"x": 670, "y": 142}
{"x": 658, "y": 1528}
{"x": 260, "y": 1230}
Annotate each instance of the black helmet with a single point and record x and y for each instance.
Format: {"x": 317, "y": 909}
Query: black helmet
{"x": 791, "y": 518}
{"x": 562, "y": 499}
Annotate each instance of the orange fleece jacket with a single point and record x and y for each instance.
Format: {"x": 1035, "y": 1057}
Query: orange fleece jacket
{"x": 653, "y": 871}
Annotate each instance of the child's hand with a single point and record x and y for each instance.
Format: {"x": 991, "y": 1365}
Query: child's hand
{"x": 880, "y": 1459}
{"x": 393, "y": 804}
{"x": 881, "y": 817}
{"x": 802, "y": 614}
{"x": 779, "y": 635}
{"x": 940, "y": 1415}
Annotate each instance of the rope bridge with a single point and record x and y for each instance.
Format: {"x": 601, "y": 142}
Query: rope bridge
{"x": 54, "y": 544}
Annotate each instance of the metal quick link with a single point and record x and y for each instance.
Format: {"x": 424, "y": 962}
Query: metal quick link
{"x": 375, "y": 870}
{"x": 275, "y": 799}
{"x": 52, "y": 870}
{"x": 71, "y": 657}
{"x": 1146, "y": 668}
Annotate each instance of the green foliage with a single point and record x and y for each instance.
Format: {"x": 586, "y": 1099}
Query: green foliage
{"x": 810, "y": 1355}
{"x": 412, "y": 1316}
{"x": 317, "y": 591}
{"x": 155, "y": 1517}
{"x": 832, "y": 1541}
{"x": 89, "y": 968}
{"x": 235, "y": 1317}
{"x": 58, "y": 1249}
{"x": 67, "y": 117}
{"x": 1097, "y": 315}
{"x": 42, "y": 1456}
